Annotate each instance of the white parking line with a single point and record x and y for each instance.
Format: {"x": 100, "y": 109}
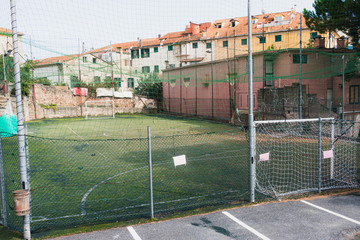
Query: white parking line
{"x": 245, "y": 226}
{"x": 133, "y": 233}
{"x": 331, "y": 212}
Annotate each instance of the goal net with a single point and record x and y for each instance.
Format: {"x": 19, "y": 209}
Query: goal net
{"x": 99, "y": 109}
{"x": 295, "y": 156}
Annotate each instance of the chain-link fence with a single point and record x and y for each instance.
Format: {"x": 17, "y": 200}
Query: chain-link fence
{"x": 79, "y": 173}
{"x": 82, "y": 180}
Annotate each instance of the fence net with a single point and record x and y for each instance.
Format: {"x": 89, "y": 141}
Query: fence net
{"x": 302, "y": 156}
{"x": 180, "y": 67}
{"x": 86, "y": 176}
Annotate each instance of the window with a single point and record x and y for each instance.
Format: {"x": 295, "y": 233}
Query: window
{"x": 233, "y": 24}
{"x": 94, "y": 60}
{"x": 130, "y": 83}
{"x": 156, "y": 68}
{"x": 74, "y": 80}
{"x": 195, "y": 45}
{"x": 172, "y": 82}
{"x": 145, "y": 53}
{"x": 117, "y": 81}
{"x": 218, "y": 25}
{"x": 262, "y": 39}
{"x": 244, "y": 41}
{"x": 97, "y": 79}
{"x": 296, "y": 58}
{"x": 354, "y": 94}
{"x": 186, "y": 81}
{"x": 84, "y": 59}
{"x": 269, "y": 72}
{"x": 277, "y": 38}
{"x": 208, "y": 45}
{"x": 145, "y": 69}
{"x": 134, "y": 53}
{"x": 170, "y": 47}
{"x": 313, "y": 35}
{"x": 156, "y": 49}
{"x": 225, "y": 43}
{"x": 171, "y": 65}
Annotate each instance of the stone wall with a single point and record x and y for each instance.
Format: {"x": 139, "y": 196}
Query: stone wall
{"x": 68, "y": 105}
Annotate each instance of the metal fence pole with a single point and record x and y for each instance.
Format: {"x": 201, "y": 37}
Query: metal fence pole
{"x": 20, "y": 120}
{"x": 150, "y": 174}
{"x": 251, "y": 114}
{"x": 332, "y": 149}
{"x": 2, "y": 190}
{"x": 343, "y": 95}
{"x": 319, "y": 157}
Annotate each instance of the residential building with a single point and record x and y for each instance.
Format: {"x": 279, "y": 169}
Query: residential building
{"x": 6, "y": 42}
{"x": 218, "y": 89}
{"x": 108, "y": 64}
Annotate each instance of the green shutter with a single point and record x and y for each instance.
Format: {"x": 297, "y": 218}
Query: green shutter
{"x": 208, "y": 45}
{"x": 225, "y": 43}
{"x": 170, "y": 47}
{"x": 156, "y": 68}
{"x": 278, "y": 38}
{"x": 313, "y": 35}
{"x": 244, "y": 41}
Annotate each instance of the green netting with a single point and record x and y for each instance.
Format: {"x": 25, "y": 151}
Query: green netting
{"x": 8, "y": 125}
{"x": 83, "y": 176}
{"x": 189, "y": 83}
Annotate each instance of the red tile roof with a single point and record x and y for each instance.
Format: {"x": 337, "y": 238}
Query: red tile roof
{"x": 269, "y": 25}
{"x": 265, "y": 23}
{"x": 8, "y": 31}
{"x": 55, "y": 60}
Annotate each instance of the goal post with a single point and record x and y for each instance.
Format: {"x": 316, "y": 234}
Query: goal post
{"x": 99, "y": 109}
{"x": 302, "y": 155}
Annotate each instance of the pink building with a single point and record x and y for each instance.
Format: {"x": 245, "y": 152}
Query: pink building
{"x": 219, "y": 88}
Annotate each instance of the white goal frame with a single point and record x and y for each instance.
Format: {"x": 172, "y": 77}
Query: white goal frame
{"x": 313, "y": 171}
{"x": 87, "y": 115}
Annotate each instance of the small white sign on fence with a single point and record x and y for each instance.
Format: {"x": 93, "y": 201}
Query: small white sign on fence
{"x": 328, "y": 154}
{"x": 264, "y": 157}
{"x": 179, "y": 160}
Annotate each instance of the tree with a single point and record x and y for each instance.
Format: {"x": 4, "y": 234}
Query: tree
{"x": 25, "y": 74}
{"x": 150, "y": 86}
{"x": 333, "y": 15}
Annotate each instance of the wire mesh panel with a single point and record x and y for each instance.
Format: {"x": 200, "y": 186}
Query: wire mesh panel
{"x": 85, "y": 171}
{"x": 10, "y": 156}
{"x": 78, "y": 181}
{"x": 304, "y": 155}
{"x": 216, "y": 170}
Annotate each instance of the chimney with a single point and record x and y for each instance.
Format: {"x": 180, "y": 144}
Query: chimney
{"x": 195, "y": 28}
{"x": 139, "y": 41}
{"x": 159, "y": 36}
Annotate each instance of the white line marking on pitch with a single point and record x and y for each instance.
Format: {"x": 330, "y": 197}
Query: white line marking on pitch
{"x": 331, "y": 212}
{"x": 86, "y": 142}
{"x": 246, "y": 226}
{"x": 133, "y": 233}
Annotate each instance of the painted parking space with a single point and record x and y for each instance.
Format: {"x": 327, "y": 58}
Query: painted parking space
{"x": 309, "y": 219}
{"x": 341, "y": 204}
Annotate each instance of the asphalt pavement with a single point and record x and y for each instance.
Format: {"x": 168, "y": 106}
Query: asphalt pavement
{"x": 333, "y": 217}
